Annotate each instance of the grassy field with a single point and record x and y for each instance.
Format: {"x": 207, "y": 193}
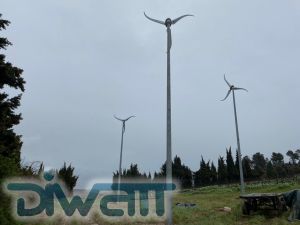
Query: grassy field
{"x": 209, "y": 201}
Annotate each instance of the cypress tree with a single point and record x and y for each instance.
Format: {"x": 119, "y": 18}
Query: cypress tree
{"x": 214, "y": 174}
{"x": 10, "y": 142}
{"x": 247, "y": 167}
{"x": 237, "y": 166}
{"x": 222, "y": 171}
{"x": 231, "y": 172}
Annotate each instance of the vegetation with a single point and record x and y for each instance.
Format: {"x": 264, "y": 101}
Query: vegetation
{"x": 10, "y": 142}
{"x": 66, "y": 173}
{"x": 211, "y": 200}
{"x": 209, "y": 204}
{"x": 256, "y": 168}
{"x": 181, "y": 172}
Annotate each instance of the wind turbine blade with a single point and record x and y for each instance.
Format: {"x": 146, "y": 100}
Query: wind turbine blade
{"x": 128, "y": 118}
{"x": 179, "y": 18}
{"x": 118, "y": 118}
{"x": 169, "y": 39}
{"x": 154, "y": 20}
{"x": 240, "y": 89}
{"x": 226, "y": 95}
{"x": 229, "y": 85}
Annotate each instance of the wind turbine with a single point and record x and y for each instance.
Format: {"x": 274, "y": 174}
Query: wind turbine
{"x": 121, "y": 152}
{"x": 232, "y": 88}
{"x": 168, "y": 22}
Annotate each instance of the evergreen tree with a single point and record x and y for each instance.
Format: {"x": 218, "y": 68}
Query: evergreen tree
{"x": 214, "y": 174}
{"x": 132, "y": 172}
{"x": 259, "y": 164}
{"x": 180, "y": 172}
{"x": 66, "y": 174}
{"x": 10, "y": 142}
{"x": 278, "y": 164}
{"x": 237, "y": 166}
{"x": 200, "y": 179}
{"x": 247, "y": 167}
{"x": 270, "y": 170}
{"x": 231, "y": 169}
{"x": 206, "y": 173}
{"x": 163, "y": 171}
{"x": 176, "y": 167}
{"x": 222, "y": 171}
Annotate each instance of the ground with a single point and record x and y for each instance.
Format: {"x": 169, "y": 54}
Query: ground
{"x": 209, "y": 201}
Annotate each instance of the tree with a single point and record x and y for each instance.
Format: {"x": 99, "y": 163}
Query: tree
{"x": 180, "y": 172}
{"x": 298, "y": 153}
{"x": 231, "y": 170}
{"x": 132, "y": 173}
{"x": 259, "y": 164}
{"x": 222, "y": 171}
{"x": 293, "y": 156}
{"x": 270, "y": 170}
{"x": 197, "y": 177}
{"x": 246, "y": 162}
{"x": 163, "y": 171}
{"x": 203, "y": 175}
{"x": 214, "y": 174}
{"x": 278, "y": 163}
{"x": 10, "y": 142}
{"x": 66, "y": 174}
{"x": 277, "y": 158}
{"x": 237, "y": 166}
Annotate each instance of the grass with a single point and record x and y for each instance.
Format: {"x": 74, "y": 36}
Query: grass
{"x": 209, "y": 200}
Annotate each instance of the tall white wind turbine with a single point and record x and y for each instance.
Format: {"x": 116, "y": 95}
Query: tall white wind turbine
{"x": 232, "y": 88}
{"x": 168, "y": 22}
{"x": 121, "y": 151}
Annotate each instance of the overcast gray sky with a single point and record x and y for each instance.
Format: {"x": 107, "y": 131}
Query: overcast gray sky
{"x": 84, "y": 61}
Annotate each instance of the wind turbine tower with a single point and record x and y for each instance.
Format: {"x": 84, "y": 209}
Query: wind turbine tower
{"x": 232, "y": 88}
{"x": 121, "y": 151}
{"x": 168, "y": 22}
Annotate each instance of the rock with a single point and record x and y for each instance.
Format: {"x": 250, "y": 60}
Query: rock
{"x": 227, "y": 209}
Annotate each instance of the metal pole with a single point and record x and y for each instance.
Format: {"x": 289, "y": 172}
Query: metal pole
{"x": 169, "y": 143}
{"x": 120, "y": 164}
{"x": 239, "y": 147}
{"x": 168, "y": 22}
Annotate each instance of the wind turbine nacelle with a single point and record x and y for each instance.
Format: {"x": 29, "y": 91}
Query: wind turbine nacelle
{"x": 168, "y": 22}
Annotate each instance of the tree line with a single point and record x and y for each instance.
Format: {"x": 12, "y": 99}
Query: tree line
{"x": 257, "y": 167}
